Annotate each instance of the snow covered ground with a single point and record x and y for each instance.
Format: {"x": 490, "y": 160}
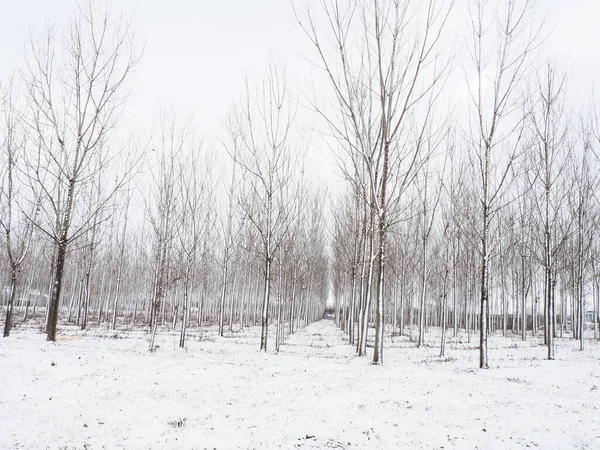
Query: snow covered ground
{"x": 103, "y": 390}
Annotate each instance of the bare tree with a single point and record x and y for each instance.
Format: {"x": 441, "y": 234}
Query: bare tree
{"x": 121, "y": 263}
{"x": 551, "y": 156}
{"x": 500, "y": 44}
{"x": 194, "y": 192}
{"x": 268, "y": 164}
{"x": 76, "y": 86}
{"x": 230, "y": 227}
{"x": 429, "y": 205}
{"x": 15, "y": 227}
{"x": 163, "y": 208}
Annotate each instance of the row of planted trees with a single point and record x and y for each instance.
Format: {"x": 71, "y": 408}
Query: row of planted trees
{"x": 117, "y": 289}
{"x": 471, "y": 201}
{"x": 433, "y": 279}
{"x": 98, "y": 229}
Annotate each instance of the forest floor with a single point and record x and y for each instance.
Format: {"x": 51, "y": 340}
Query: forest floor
{"x": 102, "y": 389}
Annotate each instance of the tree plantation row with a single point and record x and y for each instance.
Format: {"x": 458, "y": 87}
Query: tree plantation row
{"x": 483, "y": 217}
{"x": 469, "y": 198}
{"x": 97, "y": 230}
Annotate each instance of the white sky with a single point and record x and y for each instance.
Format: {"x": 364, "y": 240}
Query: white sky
{"x": 198, "y": 51}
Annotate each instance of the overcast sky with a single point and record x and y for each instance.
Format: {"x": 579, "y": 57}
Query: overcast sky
{"x": 198, "y": 51}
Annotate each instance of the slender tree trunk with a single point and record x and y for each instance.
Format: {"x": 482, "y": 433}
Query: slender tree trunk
{"x": 367, "y": 306}
{"x": 102, "y": 301}
{"x": 11, "y": 301}
{"x": 379, "y": 311}
{"x": 116, "y": 301}
{"x": 223, "y": 295}
{"x": 549, "y": 309}
{"x": 279, "y": 305}
{"x": 522, "y": 308}
{"x": 455, "y": 257}
{"x": 444, "y": 319}
{"x": 484, "y": 312}
{"x": 379, "y": 308}
{"x": 421, "y": 318}
{"x": 504, "y": 300}
{"x": 185, "y": 311}
{"x": 596, "y": 300}
{"x": 293, "y": 301}
{"x": 581, "y": 302}
{"x": 265, "y": 307}
{"x": 86, "y": 300}
{"x": 234, "y": 294}
{"x": 73, "y": 291}
{"x": 159, "y": 294}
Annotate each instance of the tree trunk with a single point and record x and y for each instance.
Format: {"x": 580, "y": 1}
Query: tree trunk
{"x": 116, "y": 301}
{"x": 223, "y": 295}
{"x": 265, "y": 307}
{"x": 379, "y": 310}
{"x": 443, "y": 325}
{"x": 185, "y": 313}
{"x": 484, "y": 312}
{"x": 54, "y": 300}
{"x": 279, "y": 307}
{"x": 159, "y": 295}
{"x": 11, "y": 302}
{"x": 596, "y": 300}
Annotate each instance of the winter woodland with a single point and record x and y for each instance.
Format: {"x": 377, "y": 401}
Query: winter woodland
{"x": 165, "y": 289}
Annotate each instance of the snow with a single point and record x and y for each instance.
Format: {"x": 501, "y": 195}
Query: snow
{"x": 102, "y": 390}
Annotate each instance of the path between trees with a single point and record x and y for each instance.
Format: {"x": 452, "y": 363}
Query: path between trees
{"x": 319, "y": 339}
